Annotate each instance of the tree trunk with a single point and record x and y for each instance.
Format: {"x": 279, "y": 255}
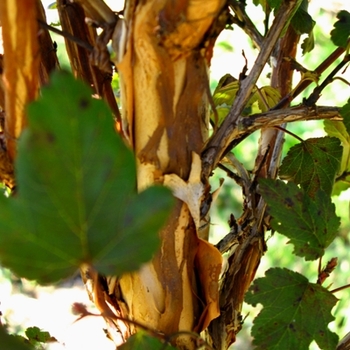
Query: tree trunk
{"x": 163, "y": 55}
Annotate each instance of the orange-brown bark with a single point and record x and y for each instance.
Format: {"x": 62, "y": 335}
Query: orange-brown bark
{"x": 21, "y": 64}
{"x": 164, "y": 81}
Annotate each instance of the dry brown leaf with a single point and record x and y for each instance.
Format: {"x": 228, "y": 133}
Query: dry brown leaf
{"x": 208, "y": 262}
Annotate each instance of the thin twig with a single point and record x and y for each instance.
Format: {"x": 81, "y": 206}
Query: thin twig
{"x": 286, "y": 131}
{"x": 312, "y": 99}
{"x": 319, "y": 265}
{"x": 304, "y": 84}
{"x": 66, "y": 35}
{"x": 340, "y": 288}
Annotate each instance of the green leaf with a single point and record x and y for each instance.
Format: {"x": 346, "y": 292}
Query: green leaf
{"x": 341, "y": 32}
{"x": 34, "y": 335}
{"x": 345, "y": 113}
{"x": 77, "y": 201}
{"x": 313, "y": 164}
{"x": 308, "y": 43}
{"x": 10, "y": 342}
{"x": 310, "y": 224}
{"x": 143, "y": 341}
{"x": 295, "y": 312}
{"x": 264, "y": 4}
{"x": 338, "y": 129}
{"x": 267, "y": 97}
{"x": 52, "y": 6}
{"x": 225, "y": 94}
{"x": 302, "y": 22}
{"x": 274, "y": 3}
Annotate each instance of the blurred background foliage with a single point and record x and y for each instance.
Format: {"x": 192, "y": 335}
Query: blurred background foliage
{"x": 228, "y": 58}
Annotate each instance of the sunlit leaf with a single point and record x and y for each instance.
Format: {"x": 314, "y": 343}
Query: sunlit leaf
{"x": 313, "y": 164}
{"x": 267, "y": 97}
{"x": 295, "y": 312}
{"x": 36, "y": 335}
{"x": 226, "y": 91}
{"x": 345, "y": 113}
{"x": 77, "y": 202}
{"x": 52, "y": 6}
{"x": 310, "y": 224}
{"x": 338, "y": 129}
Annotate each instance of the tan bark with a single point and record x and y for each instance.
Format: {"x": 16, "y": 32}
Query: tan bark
{"x": 21, "y": 64}
{"x": 164, "y": 79}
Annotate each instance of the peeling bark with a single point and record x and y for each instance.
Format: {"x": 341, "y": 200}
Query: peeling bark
{"x": 164, "y": 80}
{"x": 21, "y": 64}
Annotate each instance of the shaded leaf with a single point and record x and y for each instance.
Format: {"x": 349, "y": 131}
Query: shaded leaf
{"x": 77, "y": 202}
{"x": 8, "y": 341}
{"x": 274, "y": 3}
{"x": 264, "y": 4}
{"x": 313, "y": 164}
{"x": 295, "y": 312}
{"x": 143, "y": 341}
{"x": 302, "y": 22}
{"x": 308, "y": 43}
{"x": 341, "y": 32}
{"x": 310, "y": 224}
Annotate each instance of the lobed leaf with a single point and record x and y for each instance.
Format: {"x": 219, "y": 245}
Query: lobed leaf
{"x": 313, "y": 164}
{"x": 77, "y": 201}
{"x": 341, "y": 32}
{"x": 295, "y": 312}
{"x": 310, "y": 224}
{"x": 36, "y": 335}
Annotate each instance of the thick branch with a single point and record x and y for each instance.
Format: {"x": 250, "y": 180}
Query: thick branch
{"x": 247, "y": 125}
{"x": 220, "y": 142}
{"x": 293, "y": 114}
